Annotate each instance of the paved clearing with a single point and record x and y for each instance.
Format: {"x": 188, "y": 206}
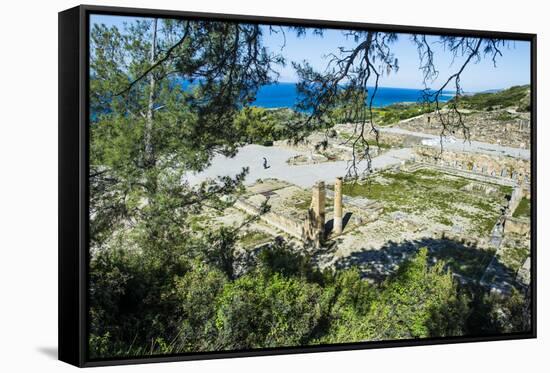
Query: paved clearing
{"x": 251, "y": 156}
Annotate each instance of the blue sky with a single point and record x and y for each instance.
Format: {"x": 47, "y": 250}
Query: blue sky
{"x": 513, "y": 68}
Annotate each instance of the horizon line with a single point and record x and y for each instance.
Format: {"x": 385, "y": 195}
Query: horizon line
{"x": 422, "y": 89}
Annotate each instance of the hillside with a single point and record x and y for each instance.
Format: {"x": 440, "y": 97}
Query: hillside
{"x": 517, "y": 97}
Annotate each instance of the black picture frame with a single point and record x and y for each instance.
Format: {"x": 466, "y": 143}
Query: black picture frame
{"x": 73, "y": 165}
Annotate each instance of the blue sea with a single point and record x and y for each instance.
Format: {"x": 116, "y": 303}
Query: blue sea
{"x": 284, "y": 95}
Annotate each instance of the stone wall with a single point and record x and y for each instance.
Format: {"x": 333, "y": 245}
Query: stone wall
{"x": 517, "y": 170}
{"x": 483, "y": 126}
{"x": 515, "y": 199}
{"x": 304, "y": 159}
{"x": 517, "y": 226}
{"x": 521, "y": 226}
{"x": 311, "y": 229}
{"x": 483, "y": 178}
{"x": 281, "y": 222}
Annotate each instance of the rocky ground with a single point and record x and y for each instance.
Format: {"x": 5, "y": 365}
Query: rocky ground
{"x": 504, "y": 127}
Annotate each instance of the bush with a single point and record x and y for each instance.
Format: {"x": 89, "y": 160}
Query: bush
{"x": 140, "y": 305}
{"x": 264, "y": 126}
{"x": 419, "y": 301}
{"x": 262, "y": 312}
{"x": 194, "y": 296}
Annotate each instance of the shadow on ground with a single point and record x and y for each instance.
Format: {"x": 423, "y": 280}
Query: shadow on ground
{"x": 329, "y": 225}
{"x": 50, "y": 352}
{"x": 467, "y": 262}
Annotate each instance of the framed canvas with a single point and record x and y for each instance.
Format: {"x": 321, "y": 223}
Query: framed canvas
{"x": 237, "y": 186}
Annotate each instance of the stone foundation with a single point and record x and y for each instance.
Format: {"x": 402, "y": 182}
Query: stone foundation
{"x": 516, "y": 170}
{"x": 517, "y": 226}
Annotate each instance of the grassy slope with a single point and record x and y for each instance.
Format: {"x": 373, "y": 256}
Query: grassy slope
{"x": 396, "y": 112}
{"x": 524, "y": 209}
{"x": 517, "y": 96}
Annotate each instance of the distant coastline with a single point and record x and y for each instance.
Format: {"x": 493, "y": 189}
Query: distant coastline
{"x": 284, "y": 95}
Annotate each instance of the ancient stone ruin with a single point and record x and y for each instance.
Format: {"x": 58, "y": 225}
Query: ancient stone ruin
{"x": 338, "y": 222}
{"x": 314, "y": 226}
{"x": 309, "y": 228}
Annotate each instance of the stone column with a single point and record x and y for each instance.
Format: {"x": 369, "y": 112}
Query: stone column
{"x": 318, "y": 206}
{"x": 338, "y": 224}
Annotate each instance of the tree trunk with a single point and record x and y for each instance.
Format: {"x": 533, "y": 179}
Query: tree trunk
{"x": 148, "y": 135}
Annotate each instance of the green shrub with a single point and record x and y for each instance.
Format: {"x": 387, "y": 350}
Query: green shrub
{"x": 262, "y": 312}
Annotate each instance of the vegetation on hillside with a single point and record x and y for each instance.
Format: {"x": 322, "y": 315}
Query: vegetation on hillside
{"x": 524, "y": 209}
{"x": 397, "y": 112}
{"x": 517, "y": 97}
{"x": 387, "y": 114}
{"x": 142, "y": 306}
{"x": 263, "y": 126}
{"x": 514, "y": 97}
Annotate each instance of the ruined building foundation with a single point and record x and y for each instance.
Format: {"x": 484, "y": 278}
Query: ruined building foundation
{"x": 312, "y": 229}
{"x": 337, "y": 222}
